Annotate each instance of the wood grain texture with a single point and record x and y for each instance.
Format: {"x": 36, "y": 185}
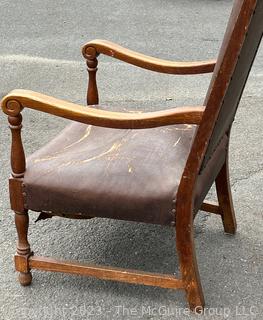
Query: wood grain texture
{"x": 224, "y": 195}
{"x": 22, "y": 222}
{"x": 18, "y": 162}
{"x": 186, "y": 248}
{"x": 238, "y": 25}
{"x": 146, "y": 62}
{"x": 106, "y": 273}
{"x": 23, "y": 249}
{"x": 41, "y": 102}
{"x": 92, "y": 63}
{"x": 211, "y": 207}
{"x": 17, "y": 200}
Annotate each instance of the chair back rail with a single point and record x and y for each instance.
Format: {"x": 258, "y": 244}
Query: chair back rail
{"x": 235, "y": 59}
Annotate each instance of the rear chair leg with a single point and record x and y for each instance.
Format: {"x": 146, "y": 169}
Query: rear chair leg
{"x": 224, "y": 195}
{"x": 188, "y": 264}
{"x": 23, "y": 249}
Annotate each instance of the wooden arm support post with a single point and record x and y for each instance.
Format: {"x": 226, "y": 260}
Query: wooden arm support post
{"x": 18, "y": 166}
{"x": 92, "y": 63}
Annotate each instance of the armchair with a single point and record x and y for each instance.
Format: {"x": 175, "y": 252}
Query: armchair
{"x": 154, "y": 167}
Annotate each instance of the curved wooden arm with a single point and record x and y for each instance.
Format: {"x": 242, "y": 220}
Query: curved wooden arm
{"x": 140, "y": 60}
{"x": 16, "y": 100}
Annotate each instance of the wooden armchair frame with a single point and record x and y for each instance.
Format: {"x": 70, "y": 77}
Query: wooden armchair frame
{"x": 206, "y": 164}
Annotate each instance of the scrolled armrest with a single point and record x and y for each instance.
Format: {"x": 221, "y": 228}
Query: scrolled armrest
{"x": 16, "y": 100}
{"x": 140, "y": 60}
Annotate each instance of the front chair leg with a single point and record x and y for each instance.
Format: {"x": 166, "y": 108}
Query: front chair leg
{"x": 188, "y": 263}
{"x": 224, "y": 195}
{"x": 23, "y": 249}
{"x": 18, "y": 164}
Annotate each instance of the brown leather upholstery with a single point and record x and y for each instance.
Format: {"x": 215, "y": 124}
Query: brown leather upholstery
{"x": 240, "y": 54}
{"x": 121, "y": 174}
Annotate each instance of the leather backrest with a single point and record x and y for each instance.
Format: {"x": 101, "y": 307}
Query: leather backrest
{"x": 236, "y": 56}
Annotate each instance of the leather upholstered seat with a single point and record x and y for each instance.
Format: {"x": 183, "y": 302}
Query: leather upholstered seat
{"x": 125, "y": 174}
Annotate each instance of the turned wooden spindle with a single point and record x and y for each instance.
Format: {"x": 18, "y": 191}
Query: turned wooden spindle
{"x": 23, "y": 249}
{"x": 92, "y": 63}
{"x": 18, "y": 166}
{"x": 18, "y": 163}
